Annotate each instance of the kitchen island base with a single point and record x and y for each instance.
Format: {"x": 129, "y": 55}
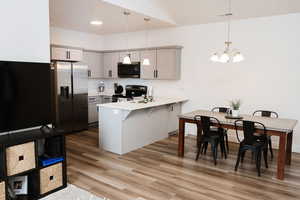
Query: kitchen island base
{"x": 125, "y": 130}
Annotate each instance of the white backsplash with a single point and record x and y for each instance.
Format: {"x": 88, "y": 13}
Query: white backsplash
{"x": 160, "y": 88}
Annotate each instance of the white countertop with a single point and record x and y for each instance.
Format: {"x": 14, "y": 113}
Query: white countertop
{"x": 159, "y": 101}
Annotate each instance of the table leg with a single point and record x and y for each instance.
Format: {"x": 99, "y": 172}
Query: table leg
{"x": 289, "y": 144}
{"x": 281, "y": 156}
{"x": 181, "y": 135}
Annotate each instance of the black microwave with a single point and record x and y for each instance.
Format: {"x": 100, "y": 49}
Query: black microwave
{"x": 132, "y": 70}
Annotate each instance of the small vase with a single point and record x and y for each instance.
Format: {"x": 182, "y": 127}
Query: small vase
{"x": 235, "y": 113}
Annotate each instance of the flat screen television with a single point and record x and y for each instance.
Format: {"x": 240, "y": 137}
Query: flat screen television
{"x": 25, "y": 95}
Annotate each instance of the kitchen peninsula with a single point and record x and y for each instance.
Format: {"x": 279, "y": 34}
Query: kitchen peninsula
{"x": 127, "y": 126}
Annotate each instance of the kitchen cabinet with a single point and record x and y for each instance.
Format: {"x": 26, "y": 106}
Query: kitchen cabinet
{"x": 148, "y": 71}
{"x": 110, "y": 66}
{"x": 134, "y": 56}
{"x": 168, "y": 63}
{"x": 164, "y": 64}
{"x": 94, "y": 60}
{"x": 66, "y": 54}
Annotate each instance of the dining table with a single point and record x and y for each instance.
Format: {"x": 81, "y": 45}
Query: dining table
{"x": 283, "y": 128}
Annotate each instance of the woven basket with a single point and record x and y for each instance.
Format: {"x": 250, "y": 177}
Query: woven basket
{"x": 2, "y": 191}
{"x": 51, "y": 178}
{"x": 20, "y": 158}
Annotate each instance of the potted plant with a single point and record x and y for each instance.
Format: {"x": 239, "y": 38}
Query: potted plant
{"x": 235, "y": 105}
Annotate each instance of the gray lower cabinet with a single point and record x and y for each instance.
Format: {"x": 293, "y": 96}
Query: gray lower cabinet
{"x": 94, "y": 60}
{"x": 148, "y": 71}
{"x": 168, "y": 62}
{"x": 110, "y": 65}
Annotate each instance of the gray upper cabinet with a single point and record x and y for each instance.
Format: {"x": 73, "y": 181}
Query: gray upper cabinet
{"x": 94, "y": 60}
{"x": 66, "y": 54}
{"x": 134, "y": 56}
{"x": 168, "y": 62}
{"x": 148, "y": 71}
{"x": 110, "y": 65}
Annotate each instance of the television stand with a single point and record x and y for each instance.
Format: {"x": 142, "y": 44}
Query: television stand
{"x": 36, "y": 159}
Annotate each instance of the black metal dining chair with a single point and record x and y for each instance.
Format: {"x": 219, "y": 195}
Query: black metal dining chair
{"x": 223, "y": 110}
{"x": 205, "y": 135}
{"x": 267, "y": 113}
{"x": 256, "y": 144}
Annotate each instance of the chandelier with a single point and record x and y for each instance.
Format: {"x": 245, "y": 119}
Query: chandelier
{"x": 229, "y": 54}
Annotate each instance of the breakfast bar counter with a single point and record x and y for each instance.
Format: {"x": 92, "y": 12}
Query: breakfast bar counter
{"x": 127, "y": 126}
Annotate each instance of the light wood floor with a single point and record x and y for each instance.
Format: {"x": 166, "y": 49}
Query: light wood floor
{"x": 156, "y": 173}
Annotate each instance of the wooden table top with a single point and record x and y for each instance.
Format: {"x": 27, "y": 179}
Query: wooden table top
{"x": 276, "y": 124}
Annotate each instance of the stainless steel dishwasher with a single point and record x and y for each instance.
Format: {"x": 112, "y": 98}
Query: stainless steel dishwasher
{"x": 93, "y": 114}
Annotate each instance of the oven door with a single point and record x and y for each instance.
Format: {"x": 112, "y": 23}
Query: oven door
{"x": 129, "y": 71}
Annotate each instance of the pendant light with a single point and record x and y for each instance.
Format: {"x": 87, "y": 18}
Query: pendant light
{"x": 126, "y": 59}
{"x": 146, "y": 60}
{"x": 228, "y": 54}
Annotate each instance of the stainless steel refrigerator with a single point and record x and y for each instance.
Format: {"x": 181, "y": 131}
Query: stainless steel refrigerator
{"x": 70, "y": 96}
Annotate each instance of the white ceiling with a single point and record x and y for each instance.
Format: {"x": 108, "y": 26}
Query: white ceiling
{"x": 206, "y": 11}
{"x": 76, "y": 14}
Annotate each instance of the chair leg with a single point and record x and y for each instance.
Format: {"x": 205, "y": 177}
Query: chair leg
{"x": 243, "y": 156}
{"x": 258, "y": 162}
{"x": 223, "y": 149}
{"x": 216, "y": 152}
{"x": 266, "y": 157}
{"x": 205, "y": 147}
{"x": 227, "y": 145}
{"x": 252, "y": 156}
{"x": 270, "y": 147}
{"x": 202, "y": 148}
{"x": 238, "y": 159}
{"x": 213, "y": 150}
{"x": 198, "y": 151}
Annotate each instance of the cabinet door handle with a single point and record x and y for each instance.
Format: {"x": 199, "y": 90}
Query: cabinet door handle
{"x": 89, "y": 73}
{"x": 67, "y": 54}
{"x": 110, "y": 73}
{"x": 154, "y": 74}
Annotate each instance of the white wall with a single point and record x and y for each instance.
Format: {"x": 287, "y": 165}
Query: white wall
{"x": 267, "y": 79}
{"x": 76, "y": 39}
{"x": 24, "y": 34}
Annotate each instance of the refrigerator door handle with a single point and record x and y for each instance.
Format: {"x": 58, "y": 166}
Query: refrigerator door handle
{"x": 65, "y": 92}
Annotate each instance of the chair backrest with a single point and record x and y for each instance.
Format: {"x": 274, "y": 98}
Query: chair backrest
{"x": 266, "y": 113}
{"x": 249, "y": 130}
{"x": 205, "y": 123}
{"x": 221, "y": 109}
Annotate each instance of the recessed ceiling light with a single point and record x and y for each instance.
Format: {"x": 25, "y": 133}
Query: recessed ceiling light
{"x": 96, "y": 23}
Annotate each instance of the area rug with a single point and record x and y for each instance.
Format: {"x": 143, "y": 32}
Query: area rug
{"x": 72, "y": 193}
